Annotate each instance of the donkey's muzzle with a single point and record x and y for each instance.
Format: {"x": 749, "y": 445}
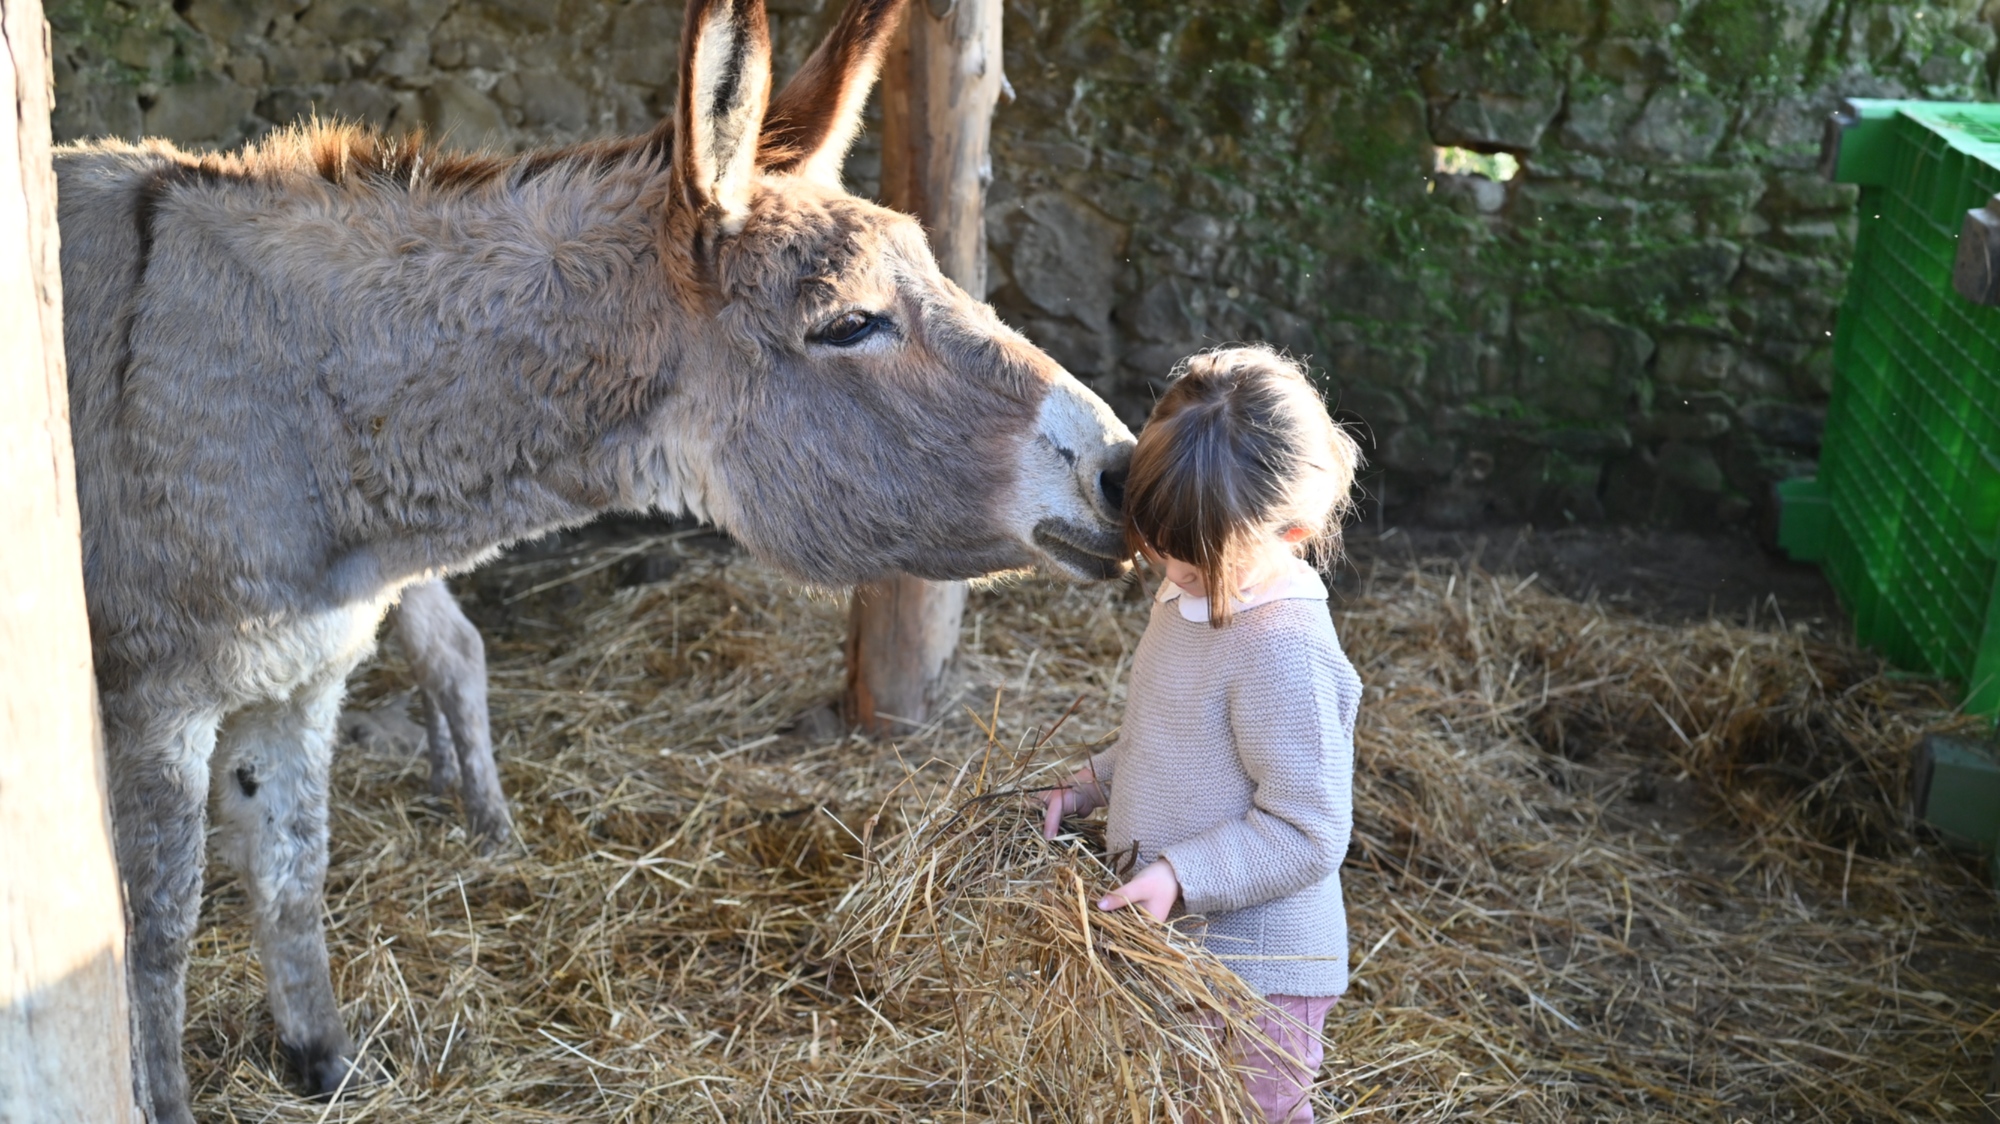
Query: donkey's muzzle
{"x": 1111, "y": 485}
{"x": 1091, "y": 555}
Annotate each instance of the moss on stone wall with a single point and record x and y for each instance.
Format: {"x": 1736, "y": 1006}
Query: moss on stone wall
{"x": 1636, "y": 326}
{"x": 112, "y": 58}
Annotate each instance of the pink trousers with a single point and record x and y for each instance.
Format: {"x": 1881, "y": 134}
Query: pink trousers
{"x": 1280, "y": 1080}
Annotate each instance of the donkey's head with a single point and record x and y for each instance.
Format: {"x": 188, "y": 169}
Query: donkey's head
{"x": 855, "y": 412}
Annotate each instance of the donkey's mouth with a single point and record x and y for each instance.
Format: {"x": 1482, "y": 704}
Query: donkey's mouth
{"x": 1086, "y": 554}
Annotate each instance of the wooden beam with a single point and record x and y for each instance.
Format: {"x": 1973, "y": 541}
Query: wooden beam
{"x": 939, "y": 86}
{"x": 64, "y": 1031}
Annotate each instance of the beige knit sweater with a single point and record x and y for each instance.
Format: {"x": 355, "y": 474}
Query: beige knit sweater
{"x": 1236, "y": 761}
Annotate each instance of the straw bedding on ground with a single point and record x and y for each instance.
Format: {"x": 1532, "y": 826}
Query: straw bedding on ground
{"x": 1602, "y": 869}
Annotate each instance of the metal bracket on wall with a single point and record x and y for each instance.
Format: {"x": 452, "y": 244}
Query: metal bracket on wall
{"x": 1837, "y": 124}
{"x": 1975, "y": 272}
{"x": 1858, "y": 145}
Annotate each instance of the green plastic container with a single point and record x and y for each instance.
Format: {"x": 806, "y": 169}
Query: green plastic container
{"x": 1805, "y": 519}
{"x": 1955, "y": 788}
{"x": 1910, "y": 464}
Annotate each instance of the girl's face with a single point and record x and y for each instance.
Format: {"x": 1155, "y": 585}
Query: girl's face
{"x": 1269, "y": 554}
{"x": 1183, "y": 574}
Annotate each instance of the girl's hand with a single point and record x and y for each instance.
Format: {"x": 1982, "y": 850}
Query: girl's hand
{"x": 1079, "y": 796}
{"x": 1154, "y": 889}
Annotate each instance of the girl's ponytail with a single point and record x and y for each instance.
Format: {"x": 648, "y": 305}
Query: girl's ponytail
{"x": 1240, "y": 446}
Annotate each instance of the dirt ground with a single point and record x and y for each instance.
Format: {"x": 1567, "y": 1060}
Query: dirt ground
{"x": 1673, "y": 577}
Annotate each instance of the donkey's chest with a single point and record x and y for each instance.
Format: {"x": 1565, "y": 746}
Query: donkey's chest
{"x": 270, "y": 659}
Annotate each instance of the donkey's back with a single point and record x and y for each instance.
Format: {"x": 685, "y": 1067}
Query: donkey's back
{"x": 275, "y": 420}
{"x": 103, "y": 190}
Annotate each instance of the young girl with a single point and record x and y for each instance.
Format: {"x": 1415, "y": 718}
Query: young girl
{"x": 1231, "y": 777}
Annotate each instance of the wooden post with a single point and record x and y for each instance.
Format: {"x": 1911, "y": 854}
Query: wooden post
{"x": 939, "y": 86}
{"x": 64, "y": 1035}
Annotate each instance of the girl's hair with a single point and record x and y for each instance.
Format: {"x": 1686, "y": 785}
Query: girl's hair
{"x": 1239, "y": 446}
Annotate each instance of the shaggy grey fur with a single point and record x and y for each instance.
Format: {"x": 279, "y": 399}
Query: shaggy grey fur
{"x": 314, "y": 372}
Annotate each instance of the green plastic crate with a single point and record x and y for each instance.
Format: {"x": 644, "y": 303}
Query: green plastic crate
{"x": 1910, "y": 465}
{"x": 1805, "y": 519}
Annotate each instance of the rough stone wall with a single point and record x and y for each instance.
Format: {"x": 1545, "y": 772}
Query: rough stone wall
{"x": 504, "y": 74}
{"x": 1636, "y": 326}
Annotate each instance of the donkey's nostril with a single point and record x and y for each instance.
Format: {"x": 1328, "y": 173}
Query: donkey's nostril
{"x": 1112, "y": 482}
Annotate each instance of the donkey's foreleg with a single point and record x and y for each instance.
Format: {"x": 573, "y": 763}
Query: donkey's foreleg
{"x": 157, "y": 761}
{"x": 449, "y": 660}
{"x": 271, "y": 800}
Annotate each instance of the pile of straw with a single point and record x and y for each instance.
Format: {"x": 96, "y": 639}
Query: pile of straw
{"x": 970, "y": 920}
{"x": 1602, "y": 869}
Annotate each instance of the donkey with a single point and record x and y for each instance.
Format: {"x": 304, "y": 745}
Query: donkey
{"x": 310, "y": 373}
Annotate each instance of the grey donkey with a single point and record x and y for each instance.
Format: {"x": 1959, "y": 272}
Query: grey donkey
{"x": 313, "y": 372}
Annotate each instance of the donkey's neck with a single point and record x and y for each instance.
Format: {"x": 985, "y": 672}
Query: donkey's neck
{"x": 498, "y": 360}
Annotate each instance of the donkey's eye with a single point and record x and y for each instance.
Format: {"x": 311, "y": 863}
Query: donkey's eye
{"x": 849, "y": 328}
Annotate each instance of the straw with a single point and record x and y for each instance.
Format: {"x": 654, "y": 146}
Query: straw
{"x": 1602, "y": 869}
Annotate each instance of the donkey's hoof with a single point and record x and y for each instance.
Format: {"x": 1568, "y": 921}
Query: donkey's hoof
{"x": 820, "y": 724}
{"x": 492, "y": 831}
{"x": 385, "y": 729}
{"x": 442, "y": 784}
{"x": 329, "y": 1069}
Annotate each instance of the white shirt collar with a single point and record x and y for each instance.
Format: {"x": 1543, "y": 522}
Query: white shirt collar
{"x": 1295, "y": 581}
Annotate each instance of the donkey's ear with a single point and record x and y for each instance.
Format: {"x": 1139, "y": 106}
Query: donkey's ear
{"x": 814, "y": 119}
{"x": 725, "y": 86}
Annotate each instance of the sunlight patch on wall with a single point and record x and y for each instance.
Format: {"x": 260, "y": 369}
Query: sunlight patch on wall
{"x": 1497, "y": 166}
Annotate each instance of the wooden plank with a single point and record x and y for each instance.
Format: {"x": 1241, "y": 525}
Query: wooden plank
{"x": 64, "y": 1029}
{"x": 939, "y": 86}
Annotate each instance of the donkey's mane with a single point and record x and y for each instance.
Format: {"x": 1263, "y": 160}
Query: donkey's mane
{"x": 352, "y": 155}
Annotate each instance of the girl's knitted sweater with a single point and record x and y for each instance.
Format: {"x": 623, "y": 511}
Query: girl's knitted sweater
{"x": 1236, "y": 761}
